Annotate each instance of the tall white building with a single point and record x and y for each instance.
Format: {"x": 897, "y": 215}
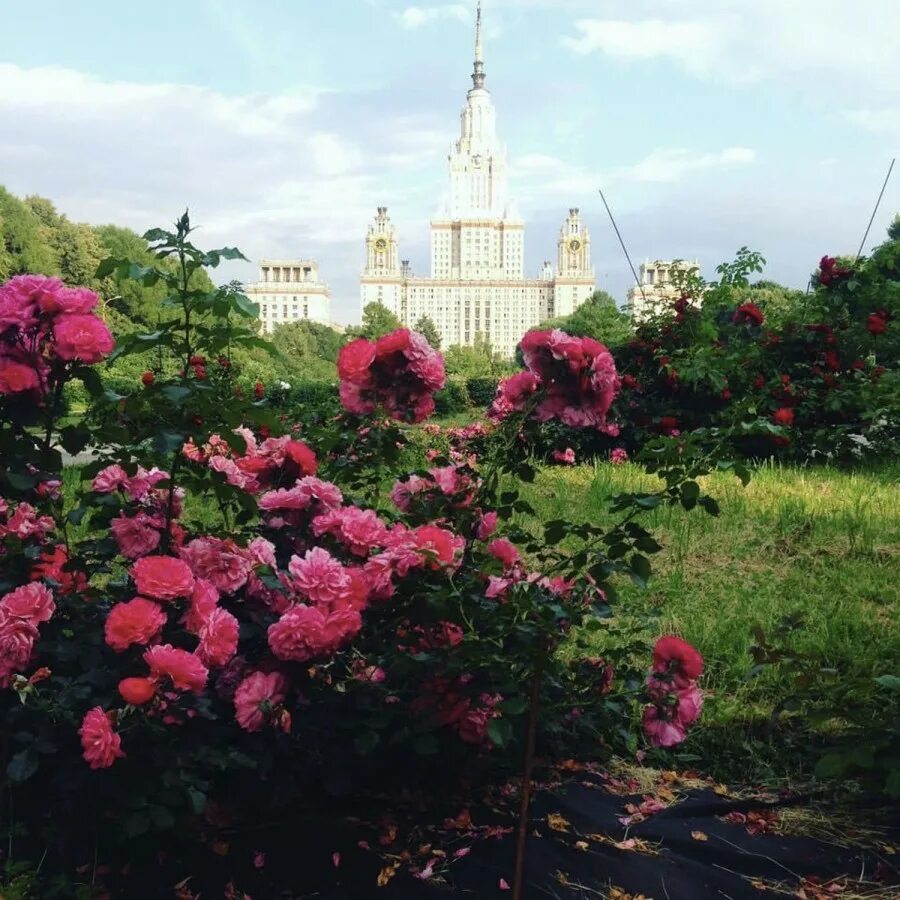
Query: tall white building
{"x": 478, "y": 282}
{"x": 660, "y": 285}
{"x": 289, "y": 290}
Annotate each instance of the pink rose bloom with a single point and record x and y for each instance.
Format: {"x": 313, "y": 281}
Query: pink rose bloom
{"x": 162, "y": 577}
{"x": 618, "y": 456}
{"x": 136, "y": 622}
{"x": 359, "y": 529}
{"x": 256, "y": 697}
{"x": 219, "y": 561}
{"x": 497, "y": 587}
{"x": 16, "y": 377}
{"x": 204, "y": 599}
{"x": 472, "y": 726}
{"x": 403, "y": 492}
{"x": 305, "y": 633}
{"x": 67, "y": 300}
{"x": 142, "y": 482}
{"x": 565, "y": 456}
{"x": 25, "y": 523}
{"x": 17, "y": 637}
{"x": 233, "y": 475}
{"x": 109, "y": 479}
{"x": 352, "y": 398}
{"x": 82, "y": 336}
{"x": 135, "y": 535}
{"x": 438, "y": 547}
{"x": 100, "y": 745}
{"x": 355, "y": 359}
{"x": 262, "y": 552}
{"x": 487, "y": 525}
{"x": 19, "y": 298}
{"x": 502, "y": 549}
{"x": 218, "y": 638}
{"x": 186, "y": 670}
{"x": 320, "y": 577}
{"x": 662, "y": 731}
{"x": 675, "y": 656}
{"x": 690, "y": 703}
{"x": 31, "y": 602}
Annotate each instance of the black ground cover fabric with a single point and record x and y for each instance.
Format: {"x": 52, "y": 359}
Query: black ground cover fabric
{"x": 577, "y": 848}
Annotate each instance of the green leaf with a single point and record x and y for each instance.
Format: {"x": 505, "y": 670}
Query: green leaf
{"x": 891, "y": 682}
{"x": 831, "y": 765}
{"x": 515, "y": 706}
{"x": 22, "y": 766}
{"x": 168, "y": 441}
{"x": 648, "y": 501}
{"x": 690, "y": 490}
{"x": 641, "y": 567}
{"x": 500, "y": 731}
{"x": 366, "y": 742}
{"x": 555, "y": 531}
{"x": 647, "y": 545}
{"x": 710, "y": 504}
{"x": 176, "y": 394}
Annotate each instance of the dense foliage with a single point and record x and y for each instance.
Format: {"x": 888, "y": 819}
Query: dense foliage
{"x": 239, "y": 611}
{"x": 800, "y": 377}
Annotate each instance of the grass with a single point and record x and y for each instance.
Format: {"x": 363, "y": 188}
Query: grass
{"x": 820, "y": 543}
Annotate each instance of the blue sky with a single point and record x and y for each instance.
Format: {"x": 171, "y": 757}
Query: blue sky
{"x": 284, "y": 124}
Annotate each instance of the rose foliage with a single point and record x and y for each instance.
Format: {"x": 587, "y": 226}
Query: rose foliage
{"x": 236, "y": 611}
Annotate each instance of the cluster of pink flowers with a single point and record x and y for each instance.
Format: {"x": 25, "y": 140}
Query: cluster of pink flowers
{"x": 676, "y": 700}
{"x": 21, "y": 612}
{"x": 567, "y": 378}
{"x": 618, "y": 456}
{"x": 456, "y": 484}
{"x": 400, "y": 372}
{"x": 139, "y": 527}
{"x": 261, "y": 466}
{"x": 450, "y": 702}
{"x": 23, "y": 522}
{"x": 44, "y": 323}
{"x": 566, "y": 457}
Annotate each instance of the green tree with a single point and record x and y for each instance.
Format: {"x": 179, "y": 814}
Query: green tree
{"x": 429, "y": 331}
{"x": 479, "y": 360}
{"x": 308, "y": 349}
{"x": 377, "y": 321}
{"x": 598, "y": 318}
{"x": 23, "y": 244}
{"x": 77, "y": 248}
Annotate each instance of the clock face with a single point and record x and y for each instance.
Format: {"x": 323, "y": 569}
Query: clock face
{"x": 574, "y": 245}
{"x": 381, "y": 244}
{"x": 476, "y": 161}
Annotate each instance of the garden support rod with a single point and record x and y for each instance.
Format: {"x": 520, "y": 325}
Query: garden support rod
{"x": 877, "y": 204}
{"x": 527, "y": 770}
{"x": 637, "y": 281}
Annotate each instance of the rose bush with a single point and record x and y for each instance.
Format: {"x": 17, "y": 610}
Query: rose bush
{"x": 818, "y": 381}
{"x": 228, "y": 617}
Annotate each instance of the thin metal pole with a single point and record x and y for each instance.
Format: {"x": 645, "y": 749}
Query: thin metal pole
{"x": 624, "y": 248}
{"x": 877, "y": 204}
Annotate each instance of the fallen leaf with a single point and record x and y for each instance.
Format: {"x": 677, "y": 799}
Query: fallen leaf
{"x": 387, "y": 873}
{"x": 581, "y": 845}
{"x": 699, "y": 835}
{"x": 557, "y": 822}
{"x": 504, "y": 886}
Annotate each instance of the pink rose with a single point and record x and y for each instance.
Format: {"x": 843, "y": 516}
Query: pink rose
{"x": 319, "y": 577}
{"x": 136, "y": 622}
{"x": 135, "y": 535}
{"x": 218, "y": 638}
{"x": 31, "y": 602}
{"x": 185, "y": 670}
{"x": 100, "y": 745}
{"x": 256, "y": 698}
{"x": 16, "y": 377}
{"x": 82, "y": 336}
{"x": 162, "y": 577}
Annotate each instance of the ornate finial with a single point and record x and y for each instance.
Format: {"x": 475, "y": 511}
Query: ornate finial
{"x": 478, "y": 73}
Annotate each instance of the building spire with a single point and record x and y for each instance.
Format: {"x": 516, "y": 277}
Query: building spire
{"x": 478, "y": 72}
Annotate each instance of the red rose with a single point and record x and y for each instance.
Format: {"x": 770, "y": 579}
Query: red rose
{"x": 355, "y": 359}
{"x": 748, "y": 313}
{"x": 832, "y": 360}
{"x": 259, "y": 390}
{"x": 395, "y": 342}
{"x": 671, "y": 653}
{"x": 162, "y": 577}
{"x": 148, "y": 378}
{"x": 876, "y": 324}
{"x": 302, "y": 455}
{"x": 783, "y": 416}
{"x": 759, "y": 382}
{"x": 137, "y": 691}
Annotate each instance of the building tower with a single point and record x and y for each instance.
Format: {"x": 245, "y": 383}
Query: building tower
{"x": 574, "y": 274}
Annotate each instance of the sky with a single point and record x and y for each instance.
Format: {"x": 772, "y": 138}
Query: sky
{"x": 283, "y": 124}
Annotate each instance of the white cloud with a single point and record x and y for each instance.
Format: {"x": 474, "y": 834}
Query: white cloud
{"x": 885, "y": 120}
{"x": 414, "y": 17}
{"x": 834, "y": 46}
{"x": 672, "y": 165}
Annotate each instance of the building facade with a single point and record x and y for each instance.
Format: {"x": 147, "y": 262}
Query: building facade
{"x": 478, "y": 283}
{"x": 289, "y": 290}
{"x": 660, "y": 284}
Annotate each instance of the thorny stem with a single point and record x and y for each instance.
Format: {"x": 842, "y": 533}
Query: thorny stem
{"x": 527, "y": 772}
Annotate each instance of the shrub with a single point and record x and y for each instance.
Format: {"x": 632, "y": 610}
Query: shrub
{"x": 481, "y": 390}
{"x": 245, "y": 618}
{"x": 453, "y": 398}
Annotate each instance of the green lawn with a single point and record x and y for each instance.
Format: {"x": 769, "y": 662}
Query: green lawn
{"x": 821, "y": 543}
